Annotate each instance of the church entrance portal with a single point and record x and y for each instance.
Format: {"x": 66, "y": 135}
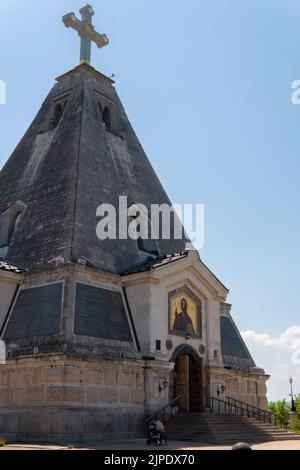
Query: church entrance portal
{"x": 188, "y": 382}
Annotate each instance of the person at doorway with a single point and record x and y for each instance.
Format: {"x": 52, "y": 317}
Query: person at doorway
{"x": 183, "y": 321}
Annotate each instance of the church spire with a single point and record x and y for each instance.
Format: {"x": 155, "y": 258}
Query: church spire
{"x": 86, "y": 31}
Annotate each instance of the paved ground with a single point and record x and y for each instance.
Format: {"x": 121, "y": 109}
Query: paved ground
{"x": 140, "y": 445}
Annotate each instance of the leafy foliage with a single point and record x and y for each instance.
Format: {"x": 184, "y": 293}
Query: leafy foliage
{"x": 294, "y": 424}
{"x": 297, "y": 402}
{"x": 280, "y": 410}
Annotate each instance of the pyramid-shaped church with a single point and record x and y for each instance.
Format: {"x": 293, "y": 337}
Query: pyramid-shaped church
{"x": 100, "y": 334}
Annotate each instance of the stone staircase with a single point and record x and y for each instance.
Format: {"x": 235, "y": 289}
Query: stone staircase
{"x": 212, "y": 428}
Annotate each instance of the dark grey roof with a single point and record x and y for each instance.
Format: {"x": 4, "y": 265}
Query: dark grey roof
{"x": 234, "y": 349}
{"x": 62, "y": 174}
{"x": 159, "y": 262}
{"x": 156, "y": 263}
{"x": 9, "y": 268}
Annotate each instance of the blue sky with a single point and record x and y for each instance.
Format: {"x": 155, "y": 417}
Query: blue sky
{"x": 207, "y": 87}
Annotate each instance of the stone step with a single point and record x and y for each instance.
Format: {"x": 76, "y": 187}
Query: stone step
{"x": 224, "y": 429}
{"x": 230, "y": 439}
{"x": 232, "y": 432}
{"x": 250, "y": 439}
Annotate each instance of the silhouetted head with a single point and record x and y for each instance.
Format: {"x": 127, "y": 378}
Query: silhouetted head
{"x": 241, "y": 446}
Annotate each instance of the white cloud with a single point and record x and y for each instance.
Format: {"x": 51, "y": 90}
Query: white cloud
{"x": 288, "y": 340}
{"x": 279, "y": 356}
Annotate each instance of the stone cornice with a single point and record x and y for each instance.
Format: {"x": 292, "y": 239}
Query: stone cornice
{"x": 87, "y": 69}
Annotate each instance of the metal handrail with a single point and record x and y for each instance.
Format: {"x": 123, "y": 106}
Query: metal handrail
{"x": 226, "y": 408}
{"x": 232, "y": 406}
{"x": 162, "y": 411}
{"x": 254, "y": 411}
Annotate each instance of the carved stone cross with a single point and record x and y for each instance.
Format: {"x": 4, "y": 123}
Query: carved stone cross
{"x": 86, "y": 31}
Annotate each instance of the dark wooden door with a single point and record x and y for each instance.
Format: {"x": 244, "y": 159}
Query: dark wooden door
{"x": 195, "y": 385}
{"x": 181, "y": 382}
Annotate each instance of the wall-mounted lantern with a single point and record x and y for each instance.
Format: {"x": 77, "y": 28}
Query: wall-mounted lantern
{"x": 163, "y": 386}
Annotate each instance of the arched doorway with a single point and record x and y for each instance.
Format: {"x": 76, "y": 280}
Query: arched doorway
{"x": 188, "y": 379}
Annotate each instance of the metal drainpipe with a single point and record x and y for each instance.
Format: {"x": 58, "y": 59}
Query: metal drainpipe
{"x": 9, "y": 310}
{"x": 131, "y": 319}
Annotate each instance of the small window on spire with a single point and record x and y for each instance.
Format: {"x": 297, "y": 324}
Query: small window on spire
{"x": 146, "y": 246}
{"x": 58, "y": 112}
{"x": 9, "y": 221}
{"x": 107, "y": 118}
{"x": 12, "y": 226}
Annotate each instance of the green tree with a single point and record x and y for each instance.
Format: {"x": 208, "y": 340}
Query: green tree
{"x": 280, "y": 410}
{"x": 294, "y": 424}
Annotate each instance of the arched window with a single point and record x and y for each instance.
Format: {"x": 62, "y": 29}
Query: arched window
{"x": 58, "y": 112}
{"x": 8, "y": 223}
{"x": 146, "y": 246}
{"x": 13, "y": 223}
{"x": 107, "y": 118}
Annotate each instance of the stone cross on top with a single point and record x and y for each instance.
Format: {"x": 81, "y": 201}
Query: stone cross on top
{"x": 86, "y": 31}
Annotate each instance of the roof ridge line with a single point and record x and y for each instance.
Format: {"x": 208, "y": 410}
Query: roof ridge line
{"x": 74, "y": 217}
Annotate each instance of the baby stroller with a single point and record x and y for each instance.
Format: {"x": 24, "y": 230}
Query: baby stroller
{"x": 157, "y": 433}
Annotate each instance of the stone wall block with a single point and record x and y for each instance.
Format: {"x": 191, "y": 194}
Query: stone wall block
{"x": 74, "y": 394}
{"x": 32, "y": 377}
{"x": 55, "y": 394}
{"x": 17, "y": 396}
{"x": 110, "y": 377}
{"x": 138, "y": 397}
{"x": 4, "y": 378}
{"x": 94, "y": 376}
{"x": 136, "y": 422}
{"x": 52, "y": 375}
{"x": 45, "y": 423}
{"x": 121, "y": 422}
{"x": 29, "y": 423}
{"x": 92, "y": 395}
{"x": 18, "y": 376}
{"x": 103, "y": 422}
{"x": 72, "y": 375}
{"x": 108, "y": 395}
{"x": 34, "y": 395}
{"x": 126, "y": 377}
{"x": 5, "y": 397}
{"x": 139, "y": 380}
{"x": 124, "y": 395}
